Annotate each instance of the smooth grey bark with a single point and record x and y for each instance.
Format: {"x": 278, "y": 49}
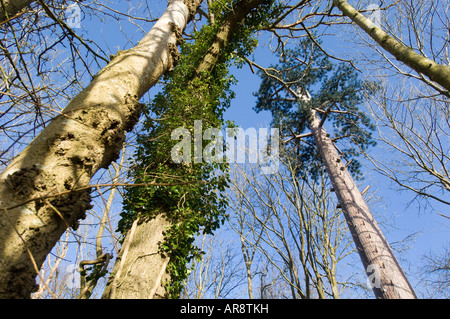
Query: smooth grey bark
{"x": 46, "y": 189}
{"x": 380, "y": 264}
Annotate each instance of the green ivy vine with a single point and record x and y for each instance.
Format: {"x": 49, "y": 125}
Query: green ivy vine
{"x": 195, "y": 204}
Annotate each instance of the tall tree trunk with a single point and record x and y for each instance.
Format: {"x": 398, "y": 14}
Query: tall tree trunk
{"x": 380, "y": 264}
{"x": 139, "y": 247}
{"x": 9, "y": 8}
{"x": 38, "y": 190}
{"x": 436, "y": 72}
{"x": 140, "y": 269}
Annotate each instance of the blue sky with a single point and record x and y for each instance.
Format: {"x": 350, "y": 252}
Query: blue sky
{"x": 400, "y": 215}
{"x": 404, "y": 218}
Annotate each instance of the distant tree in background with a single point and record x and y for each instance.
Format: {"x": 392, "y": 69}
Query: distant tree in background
{"x": 288, "y": 91}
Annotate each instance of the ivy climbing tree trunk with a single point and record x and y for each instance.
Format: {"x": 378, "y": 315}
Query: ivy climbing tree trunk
{"x": 46, "y": 189}
{"x": 385, "y": 273}
{"x": 130, "y": 271}
{"x": 434, "y": 71}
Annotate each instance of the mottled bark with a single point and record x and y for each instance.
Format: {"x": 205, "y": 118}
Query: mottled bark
{"x": 86, "y": 137}
{"x": 377, "y": 257}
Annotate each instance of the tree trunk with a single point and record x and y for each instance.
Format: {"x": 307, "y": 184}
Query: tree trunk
{"x": 380, "y": 264}
{"x": 140, "y": 270}
{"x": 10, "y": 8}
{"x": 248, "y": 267}
{"x": 224, "y": 34}
{"x": 86, "y": 137}
{"x": 436, "y": 72}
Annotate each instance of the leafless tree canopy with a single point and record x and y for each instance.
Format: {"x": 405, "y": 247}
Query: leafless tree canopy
{"x": 290, "y": 239}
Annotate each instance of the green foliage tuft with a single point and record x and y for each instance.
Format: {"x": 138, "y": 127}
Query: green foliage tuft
{"x": 307, "y": 68}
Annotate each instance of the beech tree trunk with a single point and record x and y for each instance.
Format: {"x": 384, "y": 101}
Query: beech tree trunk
{"x": 46, "y": 189}
{"x": 153, "y": 273}
{"x": 434, "y": 71}
{"x": 382, "y": 268}
{"x": 140, "y": 270}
